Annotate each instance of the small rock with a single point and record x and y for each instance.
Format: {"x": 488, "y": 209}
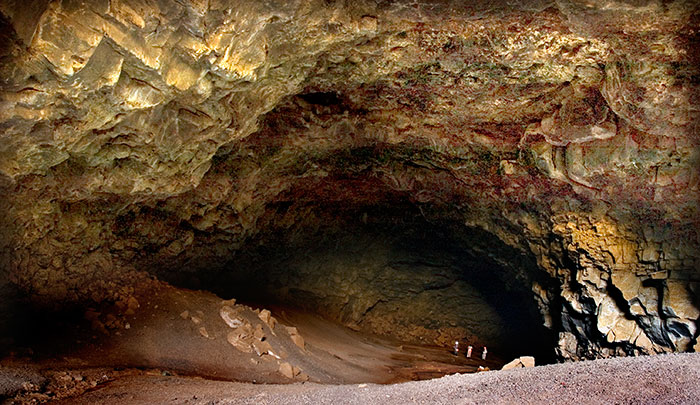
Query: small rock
{"x": 196, "y": 320}
{"x": 261, "y": 347}
{"x": 299, "y": 341}
{"x": 237, "y": 341}
{"x": 512, "y": 364}
{"x": 132, "y": 305}
{"x": 520, "y": 362}
{"x": 296, "y": 337}
{"x": 185, "y": 314}
{"x": 259, "y": 333}
{"x": 527, "y": 361}
{"x": 287, "y": 370}
{"x": 369, "y": 23}
{"x": 267, "y": 317}
{"x": 203, "y": 332}
{"x": 230, "y": 316}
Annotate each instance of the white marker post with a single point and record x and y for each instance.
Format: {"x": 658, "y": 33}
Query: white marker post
{"x": 483, "y": 354}
{"x": 469, "y": 351}
{"x": 456, "y": 348}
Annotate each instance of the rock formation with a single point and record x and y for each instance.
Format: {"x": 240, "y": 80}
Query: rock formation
{"x": 147, "y": 137}
{"x": 520, "y": 362}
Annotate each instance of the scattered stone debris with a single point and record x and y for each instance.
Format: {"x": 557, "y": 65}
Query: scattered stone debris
{"x": 34, "y": 387}
{"x": 244, "y": 336}
{"x": 14, "y": 380}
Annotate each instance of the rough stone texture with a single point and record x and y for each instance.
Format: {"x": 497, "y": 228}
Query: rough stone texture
{"x": 394, "y": 282}
{"x": 520, "y": 362}
{"x": 141, "y": 135}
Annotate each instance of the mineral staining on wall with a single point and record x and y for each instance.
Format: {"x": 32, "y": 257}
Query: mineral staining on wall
{"x": 159, "y": 134}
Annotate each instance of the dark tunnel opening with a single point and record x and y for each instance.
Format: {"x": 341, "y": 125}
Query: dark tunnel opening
{"x": 392, "y": 273}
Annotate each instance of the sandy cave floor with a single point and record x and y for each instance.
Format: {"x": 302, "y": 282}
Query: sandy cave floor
{"x": 170, "y": 345}
{"x": 169, "y": 331}
{"x": 666, "y": 379}
{"x": 662, "y": 379}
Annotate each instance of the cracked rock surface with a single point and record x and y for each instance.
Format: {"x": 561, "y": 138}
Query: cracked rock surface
{"x": 156, "y": 137}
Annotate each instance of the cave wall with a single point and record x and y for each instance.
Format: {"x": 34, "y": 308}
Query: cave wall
{"x": 147, "y": 134}
{"x": 390, "y": 274}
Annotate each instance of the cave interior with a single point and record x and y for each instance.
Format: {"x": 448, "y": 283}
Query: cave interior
{"x": 318, "y": 190}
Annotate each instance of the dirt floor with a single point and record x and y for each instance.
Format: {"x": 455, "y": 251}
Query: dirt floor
{"x": 169, "y": 345}
{"x": 662, "y": 379}
{"x": 170, "y": 331}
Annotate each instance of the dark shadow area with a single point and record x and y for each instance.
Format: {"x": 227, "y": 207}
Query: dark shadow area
{"x": 399, "y": 277}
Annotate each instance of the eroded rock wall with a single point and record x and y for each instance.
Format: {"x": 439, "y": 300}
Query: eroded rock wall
{"x": 395, "y": 275}
{"x": 140, "y": 135}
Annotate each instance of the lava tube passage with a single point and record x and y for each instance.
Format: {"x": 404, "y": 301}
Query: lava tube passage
{"x": 229, "y": 198}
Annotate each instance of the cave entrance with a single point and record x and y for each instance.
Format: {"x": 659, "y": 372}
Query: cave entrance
{"x": 408, "y": 280}
{"x": 378, "y": 294}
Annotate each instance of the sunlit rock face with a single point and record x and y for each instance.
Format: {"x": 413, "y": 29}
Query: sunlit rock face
{"x": 162, "y": 137}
